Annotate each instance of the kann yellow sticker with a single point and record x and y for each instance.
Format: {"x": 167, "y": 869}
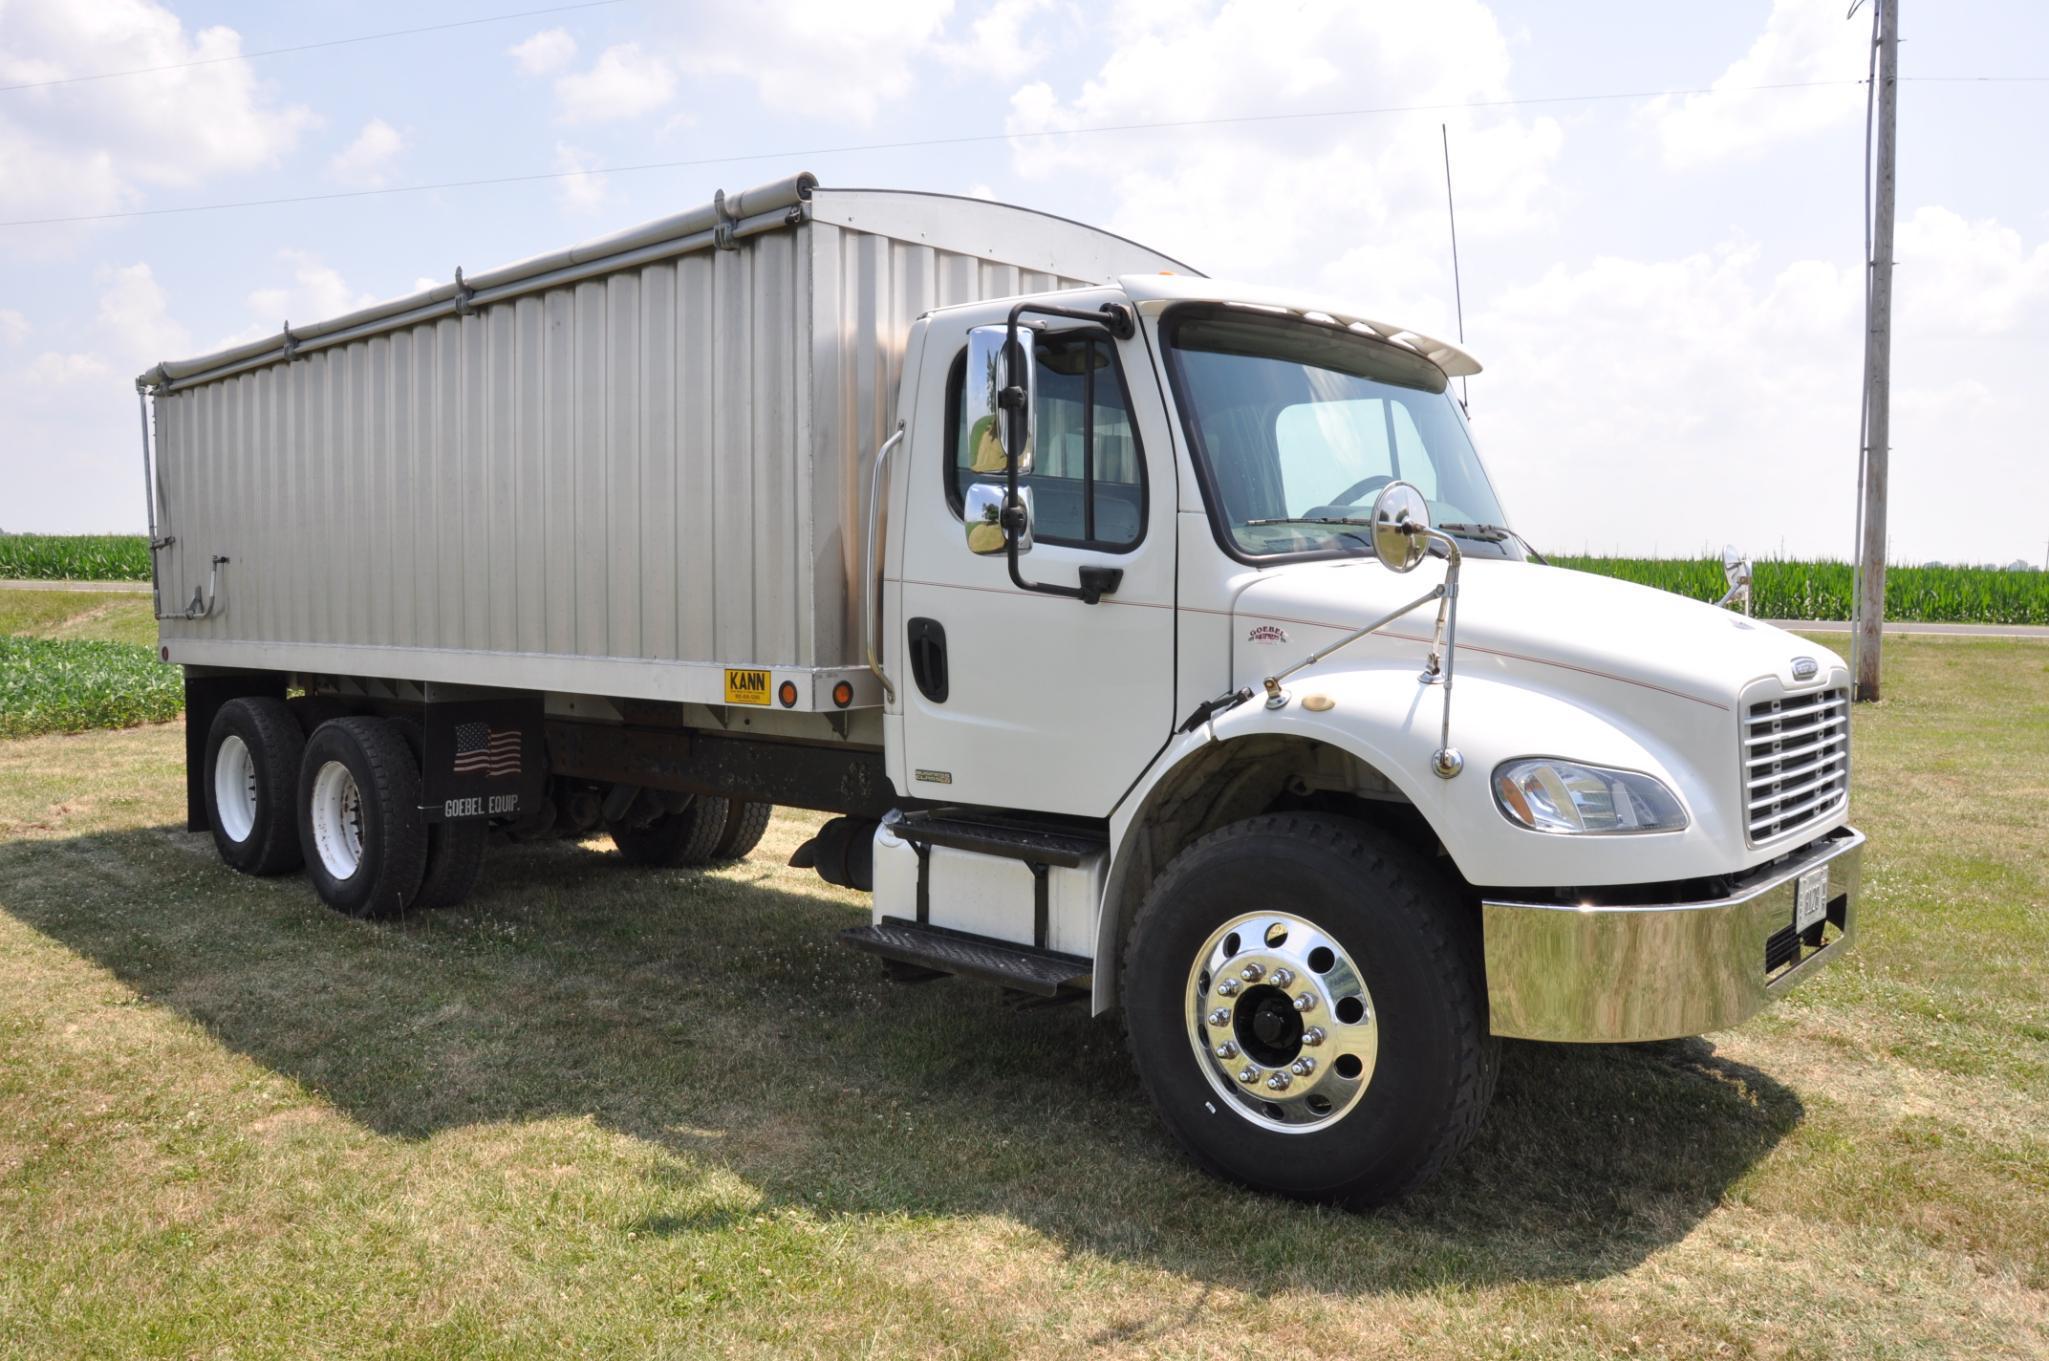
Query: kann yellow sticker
{"x": 746, "y": 687}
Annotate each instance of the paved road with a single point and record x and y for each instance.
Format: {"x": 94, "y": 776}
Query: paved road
{"x": 93, "y": 587}
{"x": 1905, "y": 626}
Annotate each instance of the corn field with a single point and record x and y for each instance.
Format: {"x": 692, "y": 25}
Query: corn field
{"x": 74, "y": 557}
{"x": 1789, "y": 589}
{"x": 1780, "y": 589}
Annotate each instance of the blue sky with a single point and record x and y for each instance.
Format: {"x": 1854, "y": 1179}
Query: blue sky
{"x": 1664, "y": 291}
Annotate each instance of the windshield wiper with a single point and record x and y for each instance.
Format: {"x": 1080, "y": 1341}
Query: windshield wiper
{"x": 1492, "y": 534}
{"x": 1320, "y": 520}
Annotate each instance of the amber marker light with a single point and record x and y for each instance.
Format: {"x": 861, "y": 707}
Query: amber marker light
{"x": 787, "y": 693}
{"x": 843, "y": 694}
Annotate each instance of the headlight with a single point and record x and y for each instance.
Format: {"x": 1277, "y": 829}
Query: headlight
{"x": 1547, "y": 795}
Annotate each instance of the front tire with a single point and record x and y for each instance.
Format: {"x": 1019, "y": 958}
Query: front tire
{"x": 360, "y": 827}
{"x": 253, "y": 751}
{"x": 1305, "y": 1010}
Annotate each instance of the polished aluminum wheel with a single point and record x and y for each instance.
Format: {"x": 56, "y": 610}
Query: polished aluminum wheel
{"x": 234, "y": 788}
{"x": 337, "y": 818}
{"x": 1281, "y": 1022}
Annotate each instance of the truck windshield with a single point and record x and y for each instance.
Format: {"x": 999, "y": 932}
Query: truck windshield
{"x": 1298, "y": 425}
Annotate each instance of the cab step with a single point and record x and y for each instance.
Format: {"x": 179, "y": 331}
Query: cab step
{"x": 1064, "y": 844}
{"x": 1044, "y": 973}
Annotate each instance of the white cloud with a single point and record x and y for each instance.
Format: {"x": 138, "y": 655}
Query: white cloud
{"x": 998, "y": 45}
{"x": 315, "y": 292}
{"x": 1802, "y": 41}
{"x": 96, "y": 147}
{"x": 53, "y": 368}
{"x": 578, "y": 191}
{"x": 545, "y": 53}
{"x": 1352, "y": 205}
{"x": 862, "y": 56}
{"x": 69, "y": 462}
{"x": 135, "y": 317}
{"x": 366, "y": 161}
{"x": 1741, "y": 385}
{"x": 14, "y": 327}
{"x": 626, "y": 81}
{"x": 1970, "y": 280}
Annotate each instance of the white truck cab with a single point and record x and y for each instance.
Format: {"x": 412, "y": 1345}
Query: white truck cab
{"x": 1161, "y": 643}
{"x": 1638, "y": 802}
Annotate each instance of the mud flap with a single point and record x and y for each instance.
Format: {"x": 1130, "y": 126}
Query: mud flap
{"x": 482, "y": 758}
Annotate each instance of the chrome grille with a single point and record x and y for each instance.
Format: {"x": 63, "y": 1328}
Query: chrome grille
{"x": 1795, "y": 762}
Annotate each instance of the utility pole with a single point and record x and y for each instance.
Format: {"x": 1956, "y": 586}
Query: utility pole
{"x": 1878, "y": 365}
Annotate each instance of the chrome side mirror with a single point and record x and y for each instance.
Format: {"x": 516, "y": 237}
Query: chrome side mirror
{"x": 982, "y": 511}
{"x": 1401, "y": 524}
{"x": 989, "y": 374}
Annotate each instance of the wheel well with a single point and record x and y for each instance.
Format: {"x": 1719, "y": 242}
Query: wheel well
{"x": 1229, "y": 782}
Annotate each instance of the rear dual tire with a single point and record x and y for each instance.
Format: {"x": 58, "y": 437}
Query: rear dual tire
{"x": 253, "y": 753}
{"x": 360, "y": 829}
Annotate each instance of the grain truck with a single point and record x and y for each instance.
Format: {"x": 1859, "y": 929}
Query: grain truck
{"x": 1153, "y": 642}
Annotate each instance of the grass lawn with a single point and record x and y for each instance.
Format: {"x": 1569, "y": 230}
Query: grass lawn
{"x": 601, "y": 1111}
{"x": 96, "y": 616}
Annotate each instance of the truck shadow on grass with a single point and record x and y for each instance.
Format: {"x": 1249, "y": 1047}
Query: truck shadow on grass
{"x": 714, "y": 1016}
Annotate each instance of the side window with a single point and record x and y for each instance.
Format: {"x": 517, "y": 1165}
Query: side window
{"x": 1088, "y": 472}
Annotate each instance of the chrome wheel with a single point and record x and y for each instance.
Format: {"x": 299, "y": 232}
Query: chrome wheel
{"x": 234, "y": 788}
{"x": 1281, "y": 1022}
{"x": 336, "y": 814}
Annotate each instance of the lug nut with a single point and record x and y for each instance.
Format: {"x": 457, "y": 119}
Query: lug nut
{"x": 1306, "y": 1002}
{"x": 1279, "y": 1082}
{"x": 1313, "y": 1036}
{"x": 1248, "y": 1074}
{"x": 1227, "y": 1050}
{"x": 1252, "y": 973}
{"x": 1303, "y": 1066}
{"x": 1221, "y": 1016}
{"x": 1282, "y": 977}
{"x": 1228, "y": 987}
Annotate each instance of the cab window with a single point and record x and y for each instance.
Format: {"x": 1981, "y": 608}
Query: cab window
{"x": 1088, "y": 472}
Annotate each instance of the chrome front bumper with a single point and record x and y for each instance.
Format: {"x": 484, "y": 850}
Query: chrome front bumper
{"x": 1615, "y": 974}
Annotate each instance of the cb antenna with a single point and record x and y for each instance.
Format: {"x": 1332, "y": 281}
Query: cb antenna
{"x": 1457, "y": 293}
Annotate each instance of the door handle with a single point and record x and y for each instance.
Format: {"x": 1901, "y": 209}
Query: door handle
{"x": 927, "y": 646}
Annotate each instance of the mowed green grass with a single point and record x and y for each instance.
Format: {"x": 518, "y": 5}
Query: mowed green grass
{"x": 600, "y": 1111}
{"x": 75, "y": 660}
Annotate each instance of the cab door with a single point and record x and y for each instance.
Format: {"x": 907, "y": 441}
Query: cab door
{"x": 1010, "y": 698}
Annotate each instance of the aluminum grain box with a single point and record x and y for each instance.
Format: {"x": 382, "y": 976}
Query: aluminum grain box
{"x": 615, "y": 470}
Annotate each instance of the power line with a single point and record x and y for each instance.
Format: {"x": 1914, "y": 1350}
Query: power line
{"x": 309, "y": 47}
{"x": 916, "y": 143}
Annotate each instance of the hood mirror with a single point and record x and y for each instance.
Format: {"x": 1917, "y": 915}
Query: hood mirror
{"x": 1401, "y": 526}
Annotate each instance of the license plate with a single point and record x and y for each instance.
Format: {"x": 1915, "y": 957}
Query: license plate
{"x": 1810, "y": 899}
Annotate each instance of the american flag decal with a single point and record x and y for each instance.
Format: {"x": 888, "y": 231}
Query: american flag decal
{"x": 481, "y": 749}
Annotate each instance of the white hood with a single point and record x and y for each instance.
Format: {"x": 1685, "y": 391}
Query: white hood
{"x": 1522, "y": 611}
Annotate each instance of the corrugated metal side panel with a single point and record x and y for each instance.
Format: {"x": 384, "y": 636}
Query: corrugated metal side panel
{"x": 664, "y": 463}
{"x": 610, "y": 469}
{"x": 866, "y": 290}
